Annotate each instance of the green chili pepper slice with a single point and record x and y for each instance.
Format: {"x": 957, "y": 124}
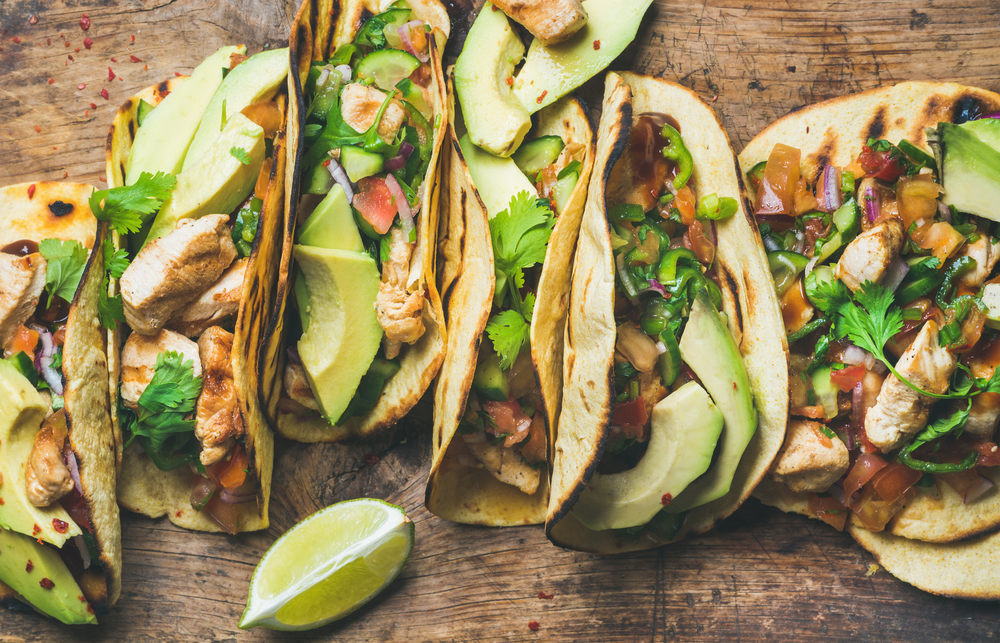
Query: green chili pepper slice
{"x": 679, "y": 154}
{"x": 666, "y": 272}
{"x": 958, "y": 268}
{"x": 967, "y": 462}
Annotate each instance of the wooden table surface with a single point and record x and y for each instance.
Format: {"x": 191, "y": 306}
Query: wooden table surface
{"x": 761, "y": 576}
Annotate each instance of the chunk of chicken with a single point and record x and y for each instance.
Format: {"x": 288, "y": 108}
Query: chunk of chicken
{"x": 809, "y": 460}
{"x": 173, "y": 270}
{"x": 219, "y": 301}
{"x": 217, "y": 418}
{"x": 637, "y": 347}
{"x": 400, "y": 313}
{"x": 899, "y": 411}
{"x": 506, "y": 465}
{"x": 869, "y": 255}
{"x": 22, "y": 280}
{"x": 986, "y": 251}
{"x": 983, "y": 415}
{"x": 550, "y": 21}
{"x": 297, "y": 386}
{"x": 47, "y": 477}
{"x": 359, "y": 105}
{"x": 139, "y": 361}
{"x": 652, "y": 390}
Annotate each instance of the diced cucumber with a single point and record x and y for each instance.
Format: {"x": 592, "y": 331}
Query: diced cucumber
{"x": 358, "y": 163}
{"x": 756, "y": 174}
{"x": 537, "y": 154}
{"x": 826, "y": 392}
{"x": 490, "y": 380}
{"x": 320, "y": 181}
{"x": 384, "y": 368}
{"x": 785, "y": 268}
{"x": 327, "y": 95}
{"x": 412, "y": 94}
{"x": 670, "y": 361}
{"x": 387, "y": 67}
{"x": 563, "y": 189}
{"x": 827, "y": 249}
{"x": 371, "y": 33}
{"x": 991, "y": 298}
{"x": 847, "y": 218}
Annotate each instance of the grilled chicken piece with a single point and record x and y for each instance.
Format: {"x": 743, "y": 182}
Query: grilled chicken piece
{"x": 217, "y": 420}
{"x": 399, "y": 312}
{"x": 899, "y": 411}
{"x": 983, "y": 415}
{"x": 221, "y": 300}
{"x": 867, "y": 257}
{"x": 297, "y": 386}
{"x": 175, "y": 269}
{"x": 359, "y": 105}
{"x": 139, "y": 361}
{"x": 809, "y": 460}
{"x": 506, "y": 465}
{"x": 550, "y": 21}
{"x": 47, "y": 477}
{"x": 22, "y": 280}
{"x": 986, "y": 252}
{"x": 637, "y": 347}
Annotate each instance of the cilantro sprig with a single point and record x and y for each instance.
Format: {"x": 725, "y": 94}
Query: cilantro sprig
{"x": 65, "y": 261}
{"x": 127, "y": 207}
{"x": 240, "y": 155}
{"x": 170, "y": 396}
{"x": 110, "y": 309}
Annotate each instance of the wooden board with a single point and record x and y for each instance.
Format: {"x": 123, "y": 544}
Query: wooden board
{"x": 762, "y": 576}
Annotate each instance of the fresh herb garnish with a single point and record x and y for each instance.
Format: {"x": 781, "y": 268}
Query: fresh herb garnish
{"x": 240, "y": 155}
{"x": 938, "y": 429}
{"x": 65, "y": 261}
{"x": 128, "y": 206}
{"x": 170, "y": 396}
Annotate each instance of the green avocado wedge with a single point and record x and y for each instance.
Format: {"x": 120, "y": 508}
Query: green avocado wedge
{"x": 331, "y": 225}
{"x": 970, "y": 168}
{"x": 497, "y": 179}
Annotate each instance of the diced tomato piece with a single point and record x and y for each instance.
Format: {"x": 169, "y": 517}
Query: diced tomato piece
{"x": 777, "y": 186}
{"x": 631, "y": 416}
{"x": 685, "y": 204}
{"x": 865, "y": 467}
{"x": 225, "y": 514}
{"x": 941, "y": 237}
{"x": 796, "y": 311}
{"x": 879, "y": 165}
{"x": 894, "y": 480}
{"x": 509, "y": 420}
{"x": 534, "y": 449}
{"x": 846, "y": 378}
{"x": 231, "y": 473}
{"x": 989, "y": 454}
{"x": 829, "y": 510}
{"x": 701, "y": 244}
{"x": 815, "y": 412}
{"x": 916, "y": 198}
{"x": 803, "y": 200}
{"x": 875, "y": 514}
{"x": 375, "y": 203}
{"x": 24, "y": 339}
{"x": 59, "y": 337}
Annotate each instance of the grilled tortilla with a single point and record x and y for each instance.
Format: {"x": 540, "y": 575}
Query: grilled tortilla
{"x": 747, "y": 299}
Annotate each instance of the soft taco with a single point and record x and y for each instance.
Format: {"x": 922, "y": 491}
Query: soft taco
{"x": 365, "y": 333}
{"x": 196, "y": 173}
{"x": 60, "y": 535}
{"x": 675, "y": 393}
{"x": 878, "y": 212}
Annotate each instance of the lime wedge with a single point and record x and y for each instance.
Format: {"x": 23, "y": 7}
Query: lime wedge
{"x": 329, "y": 565}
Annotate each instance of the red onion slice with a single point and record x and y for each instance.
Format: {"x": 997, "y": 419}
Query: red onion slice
{"x": 944, "y": 212}
{"x": 43, "y": 360}
{"x": 857, "y": 412}
{"x": 993, "y": 115}
{"x": 894, "y": 274}
{"x": 854, "y": 355}
{"x": 404, "y": 35}
{"x": 74, "y": 469}
{"x": 981, "y": 486}
{"x": 81, "y": 544}
{"x": 345, "y": 72}
{"x": 398, "y": 162}
{"x": 231, "y": 498}
{"x": 871, "y": 204}
{"x": 340, "y": 176}
{"x": 658, "y": 287}
{"x": 402, "y": 205}
{"x": 832, "y": 197}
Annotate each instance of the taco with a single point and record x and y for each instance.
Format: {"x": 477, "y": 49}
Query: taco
{"x": 672, "y": 411}
{"x": 196, "y": 174}
{"x": 365, "y": 334}
{"x": 60, "y": 535}
{"x": 877, "y": 210}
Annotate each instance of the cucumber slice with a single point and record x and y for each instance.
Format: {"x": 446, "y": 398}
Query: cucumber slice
{"x": 372, "y": 32}
{"x": 490, "y": 380}
{"x": 785, "y": 268}
{"x": 366, "y": 228}
{"x": 387, "y": 67}
{"x": 847, "y": 218}
{"x": 320, "y": 181}
{"x": 535, "y": 155}
{"x": 411, "y": 93}
{"x": 563, "y": 189}
{"x": 826, "y": 392}
{"x": 358, "y": 163}
{"x": 327, "y": 95}
{"x": 991, "y": 299}
{"x": 756, "y": 174}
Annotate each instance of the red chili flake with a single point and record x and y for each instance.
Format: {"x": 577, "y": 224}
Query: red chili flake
{"x": 46, "y": 583}
{"x": 38, "y": 130}
{"x": 111, "y": 74}
{"x": 86, "y": 112}
{"x": 114, "y": 60}
{"x": 370, "y": 459}
{"x": 90, "y": 608}
{"x": 135, "y": 59}
{"x": 547, "y": 597}
{"x": 496, "y": 8}
{"x": 35, "y": 529}
{"x": 132, "y": 38}
{"x": 541, "y": 97}
{"x": 65, "y": 174}
{"x": 93, "y": 106}
{"x": 665, "y": 500}
{"x": 82, "y": 599}
{"x": 509, "y": 80}
{"x": 31, "y": 194}
{"x": 30, "y": 566}
{"x": 65, "y": 63}
{"x": 178, "y": 74}
{"x": 84, "y": 22}
{"x": 16, "y": 40}
{"x": 87, "y": 42}
{"x": 51, "y": 80}
{"x": 104, "y": 94}
{"x": 1, "y": 48}
{"x": 179, "y": 513}
{"x": 81, "y": 86}
{"x": 66, "y": 44}
{"x": 597, "y": 45}
{"x": 326, "y": 163}
{"x": 102, "y": 179}
{"x": 145, "y": 67}
{"x": 70, "y": 57}
{"x": 533, "y": 626}
{"x": 39, "y": 44}
{"x": 2, "y": 503}
{"x": 77, "y": 50}
{"x": 48, "y": 41}
{"x": 60, "y": 525}
{"x": 734, "y": 386}
{"x": 33, "y": 19}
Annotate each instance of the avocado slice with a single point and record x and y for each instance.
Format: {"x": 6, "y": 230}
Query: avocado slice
{"x": 970, "y": 170}
{"x": 497, "y": 179}
{"x": 343, "y": 333}
{"x": 63, "y": 600}
{"x": 685, "y": 429}
{"x": 490, "y": 380}
{"x": 255, "y": 80}
{"x": 495, "y": 118}
{"x": 552, "y": 71}
{"x": 166, "y": 132}
{"x": 709, "y": 350}
{"x": 331, "y": 225}
{"x": 219, "y": 183}
{"x": 22, "y": 410}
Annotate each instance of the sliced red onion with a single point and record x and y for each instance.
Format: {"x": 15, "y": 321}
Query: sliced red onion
{"x": 404, "y": 35}
{"x": 402, "y": 205}
{"x": 993, "y": 115}
{"x": 981, "y": 486}
{"x": 658, "y": 287}
{"x": 399, "y": 161}
{"x": 81, "y": 544}
{"x": 231, "y": 498}
{"x": 345, "y": 72}
{"x": 324, "y": 75}
{"x": 857, "y": 411}
{"x": 661, "y": 348}
{"x": 43, "y": 360}
{"x": 944, "y": 212}
{"x": 894, "y": 274}
{"x": 74, "y": 469}
{"x": 854, "y": 355}
{"x": 871, "y": 204}
{"x": 340, "y": 176}
{"x": 800, "y": 242}
{"x": 832, "y": 197}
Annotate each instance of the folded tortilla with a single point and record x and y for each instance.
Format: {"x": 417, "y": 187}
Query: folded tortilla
{"x": 85, "y": 363}
{"x": 748, "y": 300}
{"x": 467, "y": 494}
{"x": 320, "y": 27}
{"x": 142, "y": 487}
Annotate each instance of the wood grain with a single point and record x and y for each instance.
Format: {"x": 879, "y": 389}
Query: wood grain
{"x": 762, "y": 576}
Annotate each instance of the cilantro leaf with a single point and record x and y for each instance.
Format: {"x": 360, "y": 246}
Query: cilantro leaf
{"x": 509, "y": 331}
{"x": 240, "y": 155}
{"x": 115, "y": 261}
{"x": 171, "y": 395}
{"x": 828, "y": 296}
{"x": 520, "y": 234}
{"x": 66, "y": 261}
{"x": 127, "y": 207}
{"x": 873, "y": 330}
{"x": 110, "y": 309}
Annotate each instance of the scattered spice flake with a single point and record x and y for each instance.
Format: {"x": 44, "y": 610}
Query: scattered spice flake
{"x": 179, "y": 513}
{"x": 82, "y": 599}
{"x": 102, "y": 179}
{"x": 90, "y": 608}
{"x": 2, "y": 503}
{"x": 371, "y": 459}
{"x": 93, "y": 106}
{"x": 547, "y": 597}
{"x": 66, "y": 44}
{"x": 70, "y": 57}
{"x": 87, "y": 42}
{"x": 86, "y": 113}
{"x": 81, "y": 86}
{"x": 16, "y": 40}
{"x": 84, "y": 22}
{"x": 51, "y": 80}
{"x": 33, "y": 19}
{"x": 871, "y": 570}
{"x": 104, "y": 94}
{"x": 114, "y": 60}
{"x": 665, "y": 500}
{"x": 541, "y": 97}
{"x": 77, "y": 50}
{"x": 65, "y": 174}
{"x": 132, "y": 38}
{"x": 30, "y": 566}
{"x": 48, "y": 41}
{"x": 509, "y": 81}
{"x": 135, "y": 59}
{"x": 533, "y": 626}
{"x": 46, "y": 583}
{"x": 35, "y": 528}
{"x": 60, "y": 525}
{"x": 111, "y": 74}
{"x": 145, "y": 67}
{"x": 597, "y": 45}
{"x": 178, "y": 74}
{"x": 38, "y": 130}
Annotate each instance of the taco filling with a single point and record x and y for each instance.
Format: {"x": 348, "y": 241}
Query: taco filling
{"x": 884, "y": 270}
{"x": 359, "y": 287}
{"x": 683, "y": 408}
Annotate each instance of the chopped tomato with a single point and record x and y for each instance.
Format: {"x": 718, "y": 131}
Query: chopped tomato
{"x": 846, "y": 378}
{"x": 268, "y": 115}
{"x": 865, "y": 467}
{"x": 547, "y": 180}
{"x": 685, "y": 204}
{"x": 829, "y": 510}
{"x": 939, "y": 237}
{"x": 701, "y": 244}
{"x": 534, "y": 449}
{"x": 879, "y": 165}
{"x": 777, "y": 186}
{"x": 916, "y": 198}
{"x": 231, "y": 473}
{"x": 59, "y": 337}
{"x": 631, "y": 416}
{"x": 796, "y": 311}
{"x": 875, "y": 514}
{"x": 989, "y": 453}
{"x": 263, "y": 178}
{"x": 509, "y": 420}
{"x": 375, "y": 203}
{"x": 815, "y": 412}
{"x": 418, "y": 37}
{"x": 225, "y": 514}
{"x": 894, "y": 480}
{"x": 24, "y": 339}
{"x": 815, "y": 229}
{"x": 803, "y": 200}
